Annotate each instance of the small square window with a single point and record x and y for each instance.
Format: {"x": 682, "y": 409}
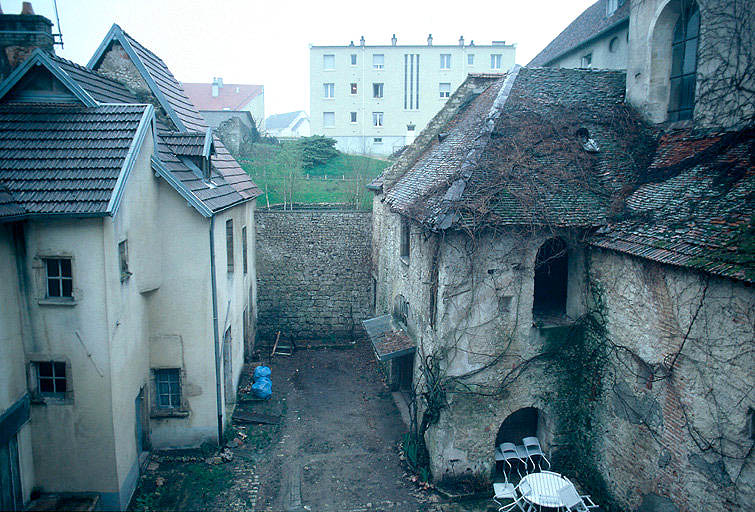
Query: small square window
{"x": 51, "y": 378}
{"x": 377, "y": 119}
{"x": 329, "y": 90}
{"x": 168, "y": 388}
{"x": 445, "y": 89}
{"x": 328, "y": 119}
{"x": 377, "y": 90}
{"x": 405, "y": 231}
{"x": 377, "y": 140}
{"x": 470, "y": 59}
{"x": 229, "y": 244}
{"x": 378, "y": 61}
{"x": 586, "y": 61}
{"x": 353, "y": 59}
{"x": 353, "y": 88}
{"x": 445, "y": 61}
{"x": 495, "y": 61}
{"x": 353, "y": 117}
{"x": 59, "y": 278}
{"x": 328, "y": 62}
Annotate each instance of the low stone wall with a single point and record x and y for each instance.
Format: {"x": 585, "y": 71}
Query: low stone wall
{"x": 313, "y": 272}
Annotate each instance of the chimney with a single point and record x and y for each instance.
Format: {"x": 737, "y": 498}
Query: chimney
{"x": 361, "y": 41}
{"x": 393, "y": 40}
{"x": 471, "y": 43}
{"x": 461, "y": 41}
{"x": 430, "y": 40}
{"x": 217, "y": 83}
{"x": 21, "y": 34}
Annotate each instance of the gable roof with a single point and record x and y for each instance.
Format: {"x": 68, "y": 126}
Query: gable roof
{"x": 510, "y": 153}
{"x": 697, "y": 207}
{"x": 67, "y": 159}
{"x": 177, "y": 106}
{"x": 280, "y": 121}
{"x": 589, "y": 25}
{"x": 230, "y": 96}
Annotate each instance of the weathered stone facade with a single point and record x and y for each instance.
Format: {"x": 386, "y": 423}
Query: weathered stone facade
{"x": 313, "y": 272}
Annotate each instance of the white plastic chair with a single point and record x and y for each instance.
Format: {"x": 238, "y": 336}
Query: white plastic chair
{"x": 509, "y": 452}
{"x": 507, "y": 491}
{"x": 573, "y": 501}
{"x": 532, "y": 446}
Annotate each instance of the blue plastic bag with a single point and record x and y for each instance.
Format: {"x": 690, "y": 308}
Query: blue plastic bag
{"x": 263, "y": 387}
{"x": 261, "y": 371}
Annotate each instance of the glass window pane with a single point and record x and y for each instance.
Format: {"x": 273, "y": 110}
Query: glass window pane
{"x": 679, "y": 31}
{"x": 690, "y": 56}
{"x": 676, "y": 59}
{"x": 46, "y": 385}
{"x": 67, "y": 288}
{"x": 65, "y": 266}
{"x": 674, "y": 96}
{"x": 52, "y": 268}
{"x": 693, "y": 25}
{"x": 60, "y": 369}
{"x": 44, "y": 369}
{"x": 60, "y": 385}
{"x": 53, "y": 288}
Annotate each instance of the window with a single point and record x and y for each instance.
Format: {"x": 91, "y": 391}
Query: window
{"x": 411, "y": 81}
{"x": 123, "y": 259}
{"x": 168, "y": 385}
{"x": 229, "y": 244}
{"x": 684, "y": 65}
{"x": 353, "y": 88}
{"x": 377, "y": 119}
{"x": 495, "y": 61}
{"x": 586, "y": 61}
{"x": 377, "y": 90}
{"x": 328, "y": 62}
{"x": 613, "y": 45}
{"x": 405, "y": 229}
{"x": 59, "y": 278}
{"x": 445, "y": 89}
{"x": 329, "y": 90}
{"x": 243, "y": 249}
{"x": 551, "y": 277}
{"x": 377, "y": 140}
{"x": 328, "y": 119}
{"x": 445, "y": 61}
{"x": 470, "y": 59}
{"x": 611, "y": 7}
{"x": 378, "y": 61}
{"x": 353, "y": 59}
{"x": 51, "y": 378}
{"x": 353, "y": 117}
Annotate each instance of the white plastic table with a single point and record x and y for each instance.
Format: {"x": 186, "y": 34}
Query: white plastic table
{"x": 545, "y": 488}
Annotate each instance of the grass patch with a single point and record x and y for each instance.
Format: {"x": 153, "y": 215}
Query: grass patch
{"x": 278, "y": 171}
{"x": 187, "y": 486}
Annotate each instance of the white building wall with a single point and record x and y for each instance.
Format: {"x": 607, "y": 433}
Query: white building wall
{"x": 359, "y": 137}
{"x": 609, "y": 51}
{"x": 257, "y": 108}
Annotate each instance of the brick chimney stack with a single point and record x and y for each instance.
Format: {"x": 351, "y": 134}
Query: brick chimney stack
{"x": 20, "y": 34}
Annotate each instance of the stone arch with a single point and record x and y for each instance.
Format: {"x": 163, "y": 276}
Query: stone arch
{"x": 660, "y": 40}
{"x": 524, "y": 422}
{"x": 551, "y": 279}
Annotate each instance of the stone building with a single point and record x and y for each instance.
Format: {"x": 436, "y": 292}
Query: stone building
{"x": 598, "y": 38}
{"x": 571, "y": 258}
{"x": 374, "y": 99}
{"x": 127, "y": 273}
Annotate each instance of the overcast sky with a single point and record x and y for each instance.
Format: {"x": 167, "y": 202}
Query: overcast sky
{"x": 268, "y": 42}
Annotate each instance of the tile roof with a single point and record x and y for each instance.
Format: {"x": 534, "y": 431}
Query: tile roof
{"x": 188, "y": 119}
{"x": 588, "y": 25}
{"x": 63, "y": 159}
{"x": 280, "y": 121}
{"x": 511, "y": 154}
{"x": 230, "y": 96}
{"x": 696, "y": 208}
{"x": 185, "y": 143}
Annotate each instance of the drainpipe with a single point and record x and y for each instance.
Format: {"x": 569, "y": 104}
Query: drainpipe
{"x": 215, "y": 330}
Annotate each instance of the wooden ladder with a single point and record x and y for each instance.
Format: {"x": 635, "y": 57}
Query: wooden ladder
{"x": 283, "y": 349}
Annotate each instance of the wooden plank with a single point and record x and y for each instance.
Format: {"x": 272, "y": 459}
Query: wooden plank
{"x": 277, "y": 337}
{"x": 253, "y": 417}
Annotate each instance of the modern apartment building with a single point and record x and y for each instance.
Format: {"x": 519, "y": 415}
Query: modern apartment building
{"x": 375, "y": 99}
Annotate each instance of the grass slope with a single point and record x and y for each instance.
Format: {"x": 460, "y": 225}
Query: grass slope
{"x": 340, "y": 180}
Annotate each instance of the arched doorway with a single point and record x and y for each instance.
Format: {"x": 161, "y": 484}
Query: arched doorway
{"x": 524, "y": 422}
{"x": 551, "y": 278}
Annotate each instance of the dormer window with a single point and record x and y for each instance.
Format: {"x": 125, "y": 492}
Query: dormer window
{"x": 684, "y": 65}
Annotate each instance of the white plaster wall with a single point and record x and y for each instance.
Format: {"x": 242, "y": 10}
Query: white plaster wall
{"x": 602, "y": 56}
{"x": 12, "y": 361}
{"x": 392, "y": 76}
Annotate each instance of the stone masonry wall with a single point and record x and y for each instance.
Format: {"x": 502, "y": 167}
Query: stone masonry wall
{"x": 313, "y": 272}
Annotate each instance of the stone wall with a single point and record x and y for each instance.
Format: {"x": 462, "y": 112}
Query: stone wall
{"x": 313, "y": 272}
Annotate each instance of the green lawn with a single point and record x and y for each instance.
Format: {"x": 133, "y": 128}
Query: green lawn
{"x": 277, "y": 171}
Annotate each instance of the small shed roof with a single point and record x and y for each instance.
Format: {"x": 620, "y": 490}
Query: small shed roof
{"x": 388, "y": 338}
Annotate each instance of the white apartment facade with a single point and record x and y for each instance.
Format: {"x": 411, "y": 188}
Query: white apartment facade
{"x": 376, "y": 99}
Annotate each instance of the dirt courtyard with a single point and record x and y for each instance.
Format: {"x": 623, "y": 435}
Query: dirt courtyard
{"x": 337, "y": 446}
